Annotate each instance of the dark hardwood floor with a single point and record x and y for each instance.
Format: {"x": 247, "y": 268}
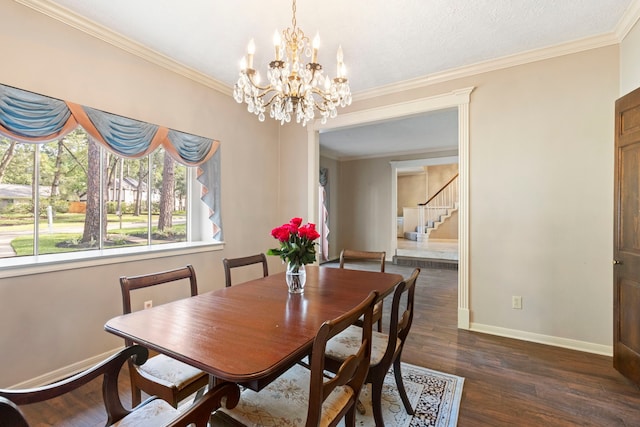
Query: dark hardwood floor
{"x": 507, "y": 382}
{"x": 510, "y": 382}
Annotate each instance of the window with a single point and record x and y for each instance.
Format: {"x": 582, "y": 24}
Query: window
{"x": 87, "y": 198}
{"x": 74, "y": 179}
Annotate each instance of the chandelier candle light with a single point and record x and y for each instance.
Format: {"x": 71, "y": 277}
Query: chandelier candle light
{"x": 294, "y": 88}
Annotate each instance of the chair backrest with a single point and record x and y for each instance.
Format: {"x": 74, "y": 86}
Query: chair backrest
{"x": 129, "y": 284}
{"x": 11, "y": 415}
{"x": 401, "y": 314}
{"x": 107, "y": 369}
{"x": 353, "y": 370}
{"x": 352, "y": 255}
{"x": 230, "y": 263}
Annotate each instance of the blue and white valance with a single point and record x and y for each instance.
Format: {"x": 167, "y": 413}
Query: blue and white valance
{"x": 33, "y": 118}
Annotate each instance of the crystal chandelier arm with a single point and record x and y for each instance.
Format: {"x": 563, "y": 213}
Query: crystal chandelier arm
{"x": 325, "y": 96}
{"x": 270, "y": 101}
{"x": 321, "y": 106}
{"x": 250, "y": 73}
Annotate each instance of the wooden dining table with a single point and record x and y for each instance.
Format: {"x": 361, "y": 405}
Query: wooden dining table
{"x": 251, "y": 332}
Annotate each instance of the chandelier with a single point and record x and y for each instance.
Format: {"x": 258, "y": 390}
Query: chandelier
{"x": 294, "y": 88}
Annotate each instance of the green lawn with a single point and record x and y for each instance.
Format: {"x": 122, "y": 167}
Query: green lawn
{"x": 63, "y": 219}
{"x": 70, "y": 242}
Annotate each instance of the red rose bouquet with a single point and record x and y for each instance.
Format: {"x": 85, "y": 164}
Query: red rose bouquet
{"x": 297, "y": 245}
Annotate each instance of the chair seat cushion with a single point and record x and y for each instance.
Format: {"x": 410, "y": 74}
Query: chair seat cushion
{"x": 285, "y": 402}
{"x": 349, "y": 340}
{"x": 170, "y": 372}
{"x": 153, "y": 414}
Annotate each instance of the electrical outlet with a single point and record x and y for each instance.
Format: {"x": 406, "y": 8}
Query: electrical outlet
{"x": 148, "y": 304}
{"x": 516, "y": 302}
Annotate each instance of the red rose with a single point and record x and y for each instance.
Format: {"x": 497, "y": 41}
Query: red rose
{"x": 292, "y": 228}
{"x": 281, "y": 233}
{"x": 309, "y": 231}
{"x": 296, "y": 221}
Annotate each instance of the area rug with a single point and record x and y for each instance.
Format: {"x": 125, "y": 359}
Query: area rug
{"x": 435, "y": 397}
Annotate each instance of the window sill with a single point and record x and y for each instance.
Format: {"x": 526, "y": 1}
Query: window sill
{"x": 23, "y": 266}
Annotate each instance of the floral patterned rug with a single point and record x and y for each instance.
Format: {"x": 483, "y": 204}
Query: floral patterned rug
{"x": 435, "y": 397}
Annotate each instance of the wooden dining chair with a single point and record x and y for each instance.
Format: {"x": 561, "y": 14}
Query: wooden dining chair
{"x": 230, "y": 263}
{"x": 162, "y": 376}
{"x": 151, "y": 412}
{"x": 348, "y": 256}
{"x": 311, "y": 398}
{"x": 386, "y": 349}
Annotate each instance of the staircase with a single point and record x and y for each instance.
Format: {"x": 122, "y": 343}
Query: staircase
{"x": 435, "y": 211}
{"x": 439, "y": 217}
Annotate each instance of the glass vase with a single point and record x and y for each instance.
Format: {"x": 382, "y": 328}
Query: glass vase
{"x": 296, "y": 277}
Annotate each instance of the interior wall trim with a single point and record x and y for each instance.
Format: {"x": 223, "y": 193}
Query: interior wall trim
{"x": 626, "y": 23}
{"x": 64, "y": 372}
{"x": 628, "y": 20}
{"x": 107, "y": 35}
{"x": 491, "y": 65}
{"x": 588, "y": 347}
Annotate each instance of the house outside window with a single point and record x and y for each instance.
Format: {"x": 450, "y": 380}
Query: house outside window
{"x": 136, "y": 204}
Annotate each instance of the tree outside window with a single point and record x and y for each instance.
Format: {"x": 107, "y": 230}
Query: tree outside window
{"x": 74, "y": 195}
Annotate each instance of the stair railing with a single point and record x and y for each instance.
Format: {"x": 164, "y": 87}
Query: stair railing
{"x": 445, "y": 199}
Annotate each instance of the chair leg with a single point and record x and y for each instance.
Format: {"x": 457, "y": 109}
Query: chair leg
{"x": 400, "y": 384}
{"x": 376, "y": 403}
{"x": 350, "y": 417}
{"x": 199, "y": 394}
{"x": 380, "y": 324}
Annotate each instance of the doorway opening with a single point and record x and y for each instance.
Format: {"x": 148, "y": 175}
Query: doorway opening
{"x": 427, "y": 236}
{"x": 458, "y": 99}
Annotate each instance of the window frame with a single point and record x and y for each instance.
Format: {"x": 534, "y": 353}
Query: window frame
{"x": 193, "y": 151}
{"x": 197, "y": 240}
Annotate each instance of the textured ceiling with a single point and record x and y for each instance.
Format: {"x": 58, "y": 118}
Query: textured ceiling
{"x": 384, "y": 42}
{"x": 434, "y": 131}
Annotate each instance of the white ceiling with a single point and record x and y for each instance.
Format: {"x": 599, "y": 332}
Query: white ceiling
{"x": 384, "y": 42}
{"x": 433, "y": 131}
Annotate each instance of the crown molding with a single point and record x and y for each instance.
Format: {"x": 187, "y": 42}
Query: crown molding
{"x": 64, "y": 15}
{"x": 628, "y": 20}
{"x": 430, "y": 152}
{"x": 491, "y": 65}
{"x": 626, "y": 23}
{"x": 105, "y": 34}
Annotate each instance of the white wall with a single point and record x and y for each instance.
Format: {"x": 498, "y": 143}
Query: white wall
{"x": 412, "y": 189}
{"x": 630, "y": 61}
{"x": 541, "y": 191}
{"x": 542, "y": 157}
{"x": 364, "y": 199}
{"x": 53, "y": 320}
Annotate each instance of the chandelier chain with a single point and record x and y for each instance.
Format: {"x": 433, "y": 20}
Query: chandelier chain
{"x": 293, "y": 19}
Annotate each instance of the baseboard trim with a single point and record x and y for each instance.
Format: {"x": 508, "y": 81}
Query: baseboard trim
{"x": 571, "y": 344}
{"x": 463, "y": 318}
{"x": 65, "y": 371}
